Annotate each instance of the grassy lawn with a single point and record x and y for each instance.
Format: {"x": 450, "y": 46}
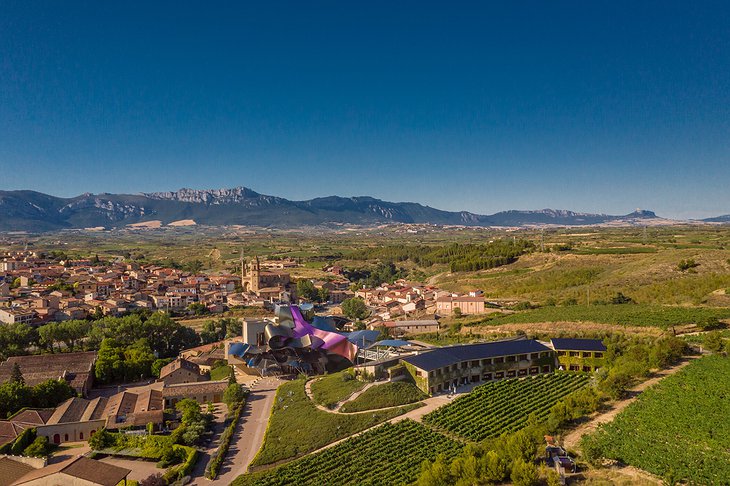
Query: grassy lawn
{"x": 297, "y": 426}
{"x": 331, "y": 389}
{"x": 220, "y": 373}
{"x": 625, "y": 314}
{"x": 385, "y": 395}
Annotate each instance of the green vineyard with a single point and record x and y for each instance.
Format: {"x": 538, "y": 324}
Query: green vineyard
{"x": 504, "y": 406}
{"x": 389, "y": 454}
{"x": 678, "y": 429}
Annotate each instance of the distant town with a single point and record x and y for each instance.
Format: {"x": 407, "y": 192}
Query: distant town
{"x": 36, "y": 289}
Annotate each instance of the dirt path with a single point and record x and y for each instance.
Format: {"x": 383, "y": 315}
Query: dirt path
{"x": 571, "y": 440}
{"x": 354, "y": 395}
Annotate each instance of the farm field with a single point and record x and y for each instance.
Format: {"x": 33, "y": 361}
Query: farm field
{"x": 643, "y": 266}
{"x": 389, "y": 454}
{"x": 504, "y": 406}
{"x": 679, "y": 428}
{"x": 385, "y": 395}
{"x": 297, "y": 426}
{"x": 662, "y": 317}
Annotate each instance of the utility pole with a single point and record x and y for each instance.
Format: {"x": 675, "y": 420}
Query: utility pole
{"x": 542, "y": 240}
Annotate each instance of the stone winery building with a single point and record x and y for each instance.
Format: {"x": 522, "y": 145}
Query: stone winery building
{"x": 438, "y": 369}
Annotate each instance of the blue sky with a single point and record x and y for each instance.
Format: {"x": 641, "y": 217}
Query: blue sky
{"x": 483, "y": 106}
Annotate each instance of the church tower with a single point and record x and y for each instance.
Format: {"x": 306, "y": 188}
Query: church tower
{"x": 255, "y": 275}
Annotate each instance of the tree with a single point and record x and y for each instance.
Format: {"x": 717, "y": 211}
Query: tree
{"x": 109, "y": 362}
{"x": 14, "y": 396}
{"x": 138, "y": 360}
{"x": 50, "y": 393}
{"x": 355, "y": 308}
{"x": 590, "y": 444}
{"x": 234, "y": 327}
{"x": 101, "y": 440}
{"x": 189, "y": 409}
{"x": 158, "y": 364}
{"x": 714, "y": 341}
{"x": 494, "y": 467}
{"x": 168, "y": 337}
{"x": 16, "y": 339}
{"x": 436, "y": 474}
{"x": 520, "y": 445}
{"x": 16, "y": 376}
{"x": 620, "y": 298}
{"x": 524, "y": 473}
{"x": 457, "y": 312}
{"x": 39, "y": 448}
{"x": 70, "y": 333}
{"x": 307, "y": 291}
{"x": 198, "y": 309}
{"x": 323, "y": 295}
{"x": 234, "y": 395}
{"x": 709, "y": 323}
{"x": 687, "y": 264}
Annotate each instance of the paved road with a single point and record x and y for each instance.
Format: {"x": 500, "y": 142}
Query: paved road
{"x": 249, "y": 435}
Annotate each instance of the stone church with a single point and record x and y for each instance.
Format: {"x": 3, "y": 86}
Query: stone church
{"x": 267, "y": 284}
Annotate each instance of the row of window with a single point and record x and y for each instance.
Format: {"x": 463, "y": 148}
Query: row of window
{"x": 497, "y": 375}
{"x": 587, "y": 369}
{"x": 485, "y": 362}
{"x": 581, "y": 354}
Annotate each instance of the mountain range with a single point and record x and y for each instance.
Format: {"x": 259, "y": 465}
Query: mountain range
{"x": 36, "y": 212}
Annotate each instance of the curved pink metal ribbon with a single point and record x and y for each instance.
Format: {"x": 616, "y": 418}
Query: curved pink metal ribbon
{"x": 331, "y": 341}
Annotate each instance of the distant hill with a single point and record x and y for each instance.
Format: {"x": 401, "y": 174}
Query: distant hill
{"x": 34, "y": 211}
{"x": 718, "y": 219}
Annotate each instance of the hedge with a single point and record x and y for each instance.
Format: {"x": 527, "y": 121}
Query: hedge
{"x": 178, "y": 472}
{"x": 216, "y": 459}
{"x": 25, "y": 439}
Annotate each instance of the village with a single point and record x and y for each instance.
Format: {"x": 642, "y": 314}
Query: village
{"x": 39, "y": 290}
{"x": 36, "y": 289}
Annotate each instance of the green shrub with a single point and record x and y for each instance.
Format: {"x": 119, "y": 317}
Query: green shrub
{"x": 178, "y": 472}
{"x": 102, "y": 440}
{"x": 25, "y": 439}
{"x": 39, "y": 448}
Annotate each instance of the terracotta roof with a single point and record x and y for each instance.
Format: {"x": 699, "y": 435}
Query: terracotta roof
{"x": 176, "y": 365}
{"x": 33, "y": 416}
{"x": 78, "y": 410}
{"x": 187, "y": 389}
{"x": 9, "y": 431}
{"x": 463, "y": 298}
{"x": 74, "y": 367}
{"x": 69, "y": 411}
{"x": 125, "y": 408}
{"x": 80, "y": 467}
{"x": 136, "y": 419}
{"x": 11, "y": 470}
{"x": 425, "y": 322}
